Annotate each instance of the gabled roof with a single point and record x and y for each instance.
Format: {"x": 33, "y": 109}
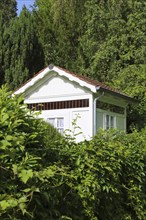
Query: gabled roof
{"x": 83, "y": 81}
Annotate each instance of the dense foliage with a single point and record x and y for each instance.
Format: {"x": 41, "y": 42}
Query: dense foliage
{"x": 24, "y": 55}
{"x": 44, "y": 176}
{"x": 21, "y": 169}
{"x": 8, "y": 10}
{"x": 104, "y": 40}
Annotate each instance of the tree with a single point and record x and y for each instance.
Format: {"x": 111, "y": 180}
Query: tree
{"x": 23, "y": 53}
{"x": 132, "y": 81}
{"x": 8, "y": 10}
{"x": 2, "y": 51}
{"x": 94, "y": 31}
{"x": 118, "y": 39}
{"x": 113, "y": 48}
{"x": 7, "y": 13}
{"x": 59, "y": 28}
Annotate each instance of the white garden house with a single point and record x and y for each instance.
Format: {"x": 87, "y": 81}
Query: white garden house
{"x": 63, "y": 96}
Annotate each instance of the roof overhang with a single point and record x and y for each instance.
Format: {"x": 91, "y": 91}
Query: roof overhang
{"x": 58, "y": 71}
{"x": 82, "y": 81}
{"x": 119, "y": 95}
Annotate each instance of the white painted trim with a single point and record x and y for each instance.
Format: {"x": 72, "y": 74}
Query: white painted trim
{"x": 91, "y": 105}
{"x": 57, "y": 98}
{"x": 116, "y": 115}
{"x": 60, "y": 72}
{"x": 56, "y": 120}
{"x": 32, "y": 81}
{"x": 75, "y": 79}
{"x": 94, "y": 112}
{"x": 38, "y": 84}
{"x": 110, "y": 114}
{"x": 125, "y": 120}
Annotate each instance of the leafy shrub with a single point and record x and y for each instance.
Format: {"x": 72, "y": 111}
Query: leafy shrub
{"x": 105, "y": 179}
{"x": 21, "y": 168}
{"x": 45, "y": 176}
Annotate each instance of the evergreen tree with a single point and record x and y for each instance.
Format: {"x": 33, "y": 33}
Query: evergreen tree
{"x": 102, "y": 39}
{"x": 59, "y": 27}
{"x": 23, "y": 53}
{"x": 2, "y": 27}
{"x": 45, "y": 30}
{"x": 8, "y": 9}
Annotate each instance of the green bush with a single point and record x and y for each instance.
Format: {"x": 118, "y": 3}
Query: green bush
{"x": 46, "y": 176}
{"x": 22, "y": 168}
{"x": 105, "y": 179}
{"x": 113, "y": 179}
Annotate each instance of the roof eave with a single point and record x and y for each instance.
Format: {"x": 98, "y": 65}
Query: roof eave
{"x": 129, "y": 99}
{"x": 31, "y": 82}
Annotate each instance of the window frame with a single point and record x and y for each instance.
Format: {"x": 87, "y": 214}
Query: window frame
{"x": 56, "y": 124}
{"x": 111, "y": 123}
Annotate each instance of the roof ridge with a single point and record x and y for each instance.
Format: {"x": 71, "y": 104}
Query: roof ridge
{"x": 36, "y": 74}
{"x": 92, "y": 81}
{"x": 80, "y": 77}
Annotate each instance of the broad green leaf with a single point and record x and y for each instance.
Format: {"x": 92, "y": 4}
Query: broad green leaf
{"x": 4, "y": 205}
{"x": 4, "y": 144}
{"x": 25, "y": 175}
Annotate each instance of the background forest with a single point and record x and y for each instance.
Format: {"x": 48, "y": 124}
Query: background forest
{"x": 102, "y": 39}
{"x": 42, "y": 174}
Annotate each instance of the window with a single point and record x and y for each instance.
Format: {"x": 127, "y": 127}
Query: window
{"x": 51, "y": 121}
{"x": 109, "y": 121}
{"x": 60, "y": 124}
{"x": 57, "y": 123}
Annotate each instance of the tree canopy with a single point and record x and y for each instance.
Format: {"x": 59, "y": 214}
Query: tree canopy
{"x": 23, "y": 53}
{"x": 8, "y": 9}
